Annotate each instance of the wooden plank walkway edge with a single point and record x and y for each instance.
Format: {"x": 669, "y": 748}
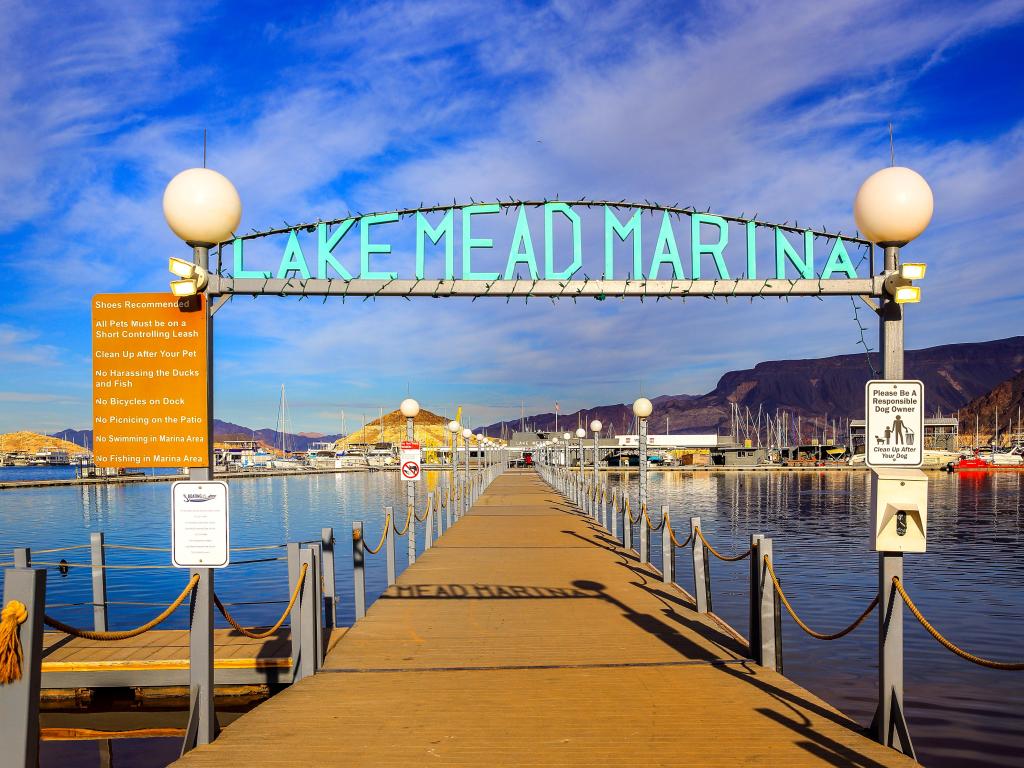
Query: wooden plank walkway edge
{"x": 526, "y": 636}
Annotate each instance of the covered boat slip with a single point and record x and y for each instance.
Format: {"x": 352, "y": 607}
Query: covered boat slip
{"x": 528, "y": 636}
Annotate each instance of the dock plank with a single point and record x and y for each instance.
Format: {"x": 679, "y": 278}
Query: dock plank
{"x": 526, "y": 636}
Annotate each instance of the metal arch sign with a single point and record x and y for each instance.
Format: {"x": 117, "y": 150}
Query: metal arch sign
{"x": 546, "y": 248}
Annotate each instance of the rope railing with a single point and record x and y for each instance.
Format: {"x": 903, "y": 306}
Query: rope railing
{"x": 383, "y": 537}
{"x": 277, "y": 625}
{"x": 800, "y": 623}
{"x": 647, "y": 519}
{"x": 429, "y": 508}
{"x": 1013, "y": 666}
{"x": 675, "y": 541}
{"x": 62, "y": 549}
{"x": 87, "y": 634}
{"x": 727, "y": 558}
{"x": 408, "y": 522}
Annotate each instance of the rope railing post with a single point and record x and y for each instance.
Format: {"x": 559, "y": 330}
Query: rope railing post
{"x": 604, "y": 508}
{"x": 389, "y": 544}
{"x": 202, "y": 716}
{"x": 615, "y": 515}
{"x": 358, "y": 564}
{"x": 645, "y": 535}
{"x": 448, "y": 506}
{"x": 99, "y": 581}
{"x": 316, "y": 602}
{"x": 428, "y": 526}
{"x": 295, "y": 616}
{"x": 668, "y": 560}
{"x": 754, "y": 597}
{"x": 22, "y": 557}
{"x": 701, "y": 569}
{"x": 627, "y": 523}
{"x": 437, "y": 515}
{"x": 890, "y": 724}
{"x": 330, "y": 587}
{"x": 19, "y": 699}
{"x": 411, "y": 532}
{"x": 770, "y": 632}
{"x": 309, "y": 658}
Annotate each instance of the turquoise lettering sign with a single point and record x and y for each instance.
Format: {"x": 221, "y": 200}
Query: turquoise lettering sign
{"x": 577, "y": 240}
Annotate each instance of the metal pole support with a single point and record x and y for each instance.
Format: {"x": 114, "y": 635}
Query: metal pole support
{"x": 389, "y": 544}
{"x": 616, "y": 508}
{"x": 627, "y": 525}
{"x": 22, "y": 557}
{"x": 668, "y": 560}
{"x": 890, "y": 723}
{"x": 19, "y": 700}
{"x": 330, "y": 587}
{"x": 701, "y": 570}
{"x": 770, "y": 632}
{"x": 358, "y": 565}
{"x": 316, "y": 604}
{"x": 428, "y": 527}
{"x": 202, "y": 717}
{"x": 99, "y": 581}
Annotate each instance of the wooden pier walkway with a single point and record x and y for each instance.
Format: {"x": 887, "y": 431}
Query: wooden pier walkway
{"x": 526, "y": 636}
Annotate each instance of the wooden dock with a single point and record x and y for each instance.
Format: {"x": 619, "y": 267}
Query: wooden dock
{"x": 527, "y": 636}
{"x": 160, "y": 659}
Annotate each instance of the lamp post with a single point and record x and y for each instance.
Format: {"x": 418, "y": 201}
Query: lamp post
{"x": 892, "y": 207}
{"x": 410, "y": 409}
{"x": 642, "y": 409}
{"x": 202, "y": 208}
{"x": 580, "y": 434}
{"x": 595, "y": 427}
{"x": 466, "y": 434}
{"x": 566, "y": 437}
{"x": 453, "y": 431}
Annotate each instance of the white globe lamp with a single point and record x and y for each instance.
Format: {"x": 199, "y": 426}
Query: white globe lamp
{"x": 893, "y": 206}
{"x": 202, "y": 207}
{"x": 409, "y": 408}
{"x": 581, "y": 432}
{"x": 595, "y": 426}
{"x": 642, "y": 407}
{"x": 454, "y": 426}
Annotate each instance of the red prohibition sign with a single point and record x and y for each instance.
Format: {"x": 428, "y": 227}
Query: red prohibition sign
{"x": 410, "y": 469}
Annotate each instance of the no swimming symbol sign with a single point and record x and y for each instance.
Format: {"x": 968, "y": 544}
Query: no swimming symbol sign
{"x": 894, "y": 412}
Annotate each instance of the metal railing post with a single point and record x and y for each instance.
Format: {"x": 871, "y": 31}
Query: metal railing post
{"x": 771, "y": 622}
{"x": 438, "y": 517}
{"x": 358, "y": 564}
{"x": 330, "y": 587}
{"x": 616, "y": 508}
{"x": 668, "y": 561}
{"x": 295, "y": 619}
{"x": 890, "y": 723}
{"x": 701, "y": 571}
{"x": 22, "y": 557}
{"x": 448, "y": 506}
{"x": 753, "y": 586}
{"x": 604, "y": 508}
{"x": 317, "y": 604}
{"x": 627, "y": 525}
{"x": 309, "y": 654}
{"x": 645, "y": 537}
{"x": 99, "y": 581}
{"x": 389, "y": 544}
{"x": 19, "y": 699}
{"x": 428, "y": 527}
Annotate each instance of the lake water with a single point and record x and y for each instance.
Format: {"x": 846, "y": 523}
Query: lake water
{"x": 970, "y": 583}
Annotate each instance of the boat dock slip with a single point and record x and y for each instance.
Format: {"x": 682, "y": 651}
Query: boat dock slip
{"x": 527, "y": 636}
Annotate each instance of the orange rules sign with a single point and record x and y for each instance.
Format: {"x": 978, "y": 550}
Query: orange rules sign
{"x": 149, "y": 380}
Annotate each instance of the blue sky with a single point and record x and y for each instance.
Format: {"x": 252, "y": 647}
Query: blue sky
{"x": 315, "y": 109}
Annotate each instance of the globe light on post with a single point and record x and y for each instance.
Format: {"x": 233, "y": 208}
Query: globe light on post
{"x": 202, "y": 207}
{"x": 454, "y": 427}
{"x": 409, "y": 408}
{"x": 642, "y": 407}
{"x": 595, "y": 426}
{"x": 467, "y": 433}
{"x": 893, "y": 206}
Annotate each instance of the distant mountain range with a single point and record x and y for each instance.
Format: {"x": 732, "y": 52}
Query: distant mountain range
{"x": 225, "y": 430}
{"x": 1005, "y": 402}
{"x": 829, "y": 387}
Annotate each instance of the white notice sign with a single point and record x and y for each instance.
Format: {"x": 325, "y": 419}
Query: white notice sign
{"x": 199, "y": 524}
{"x": 894, "y": 413}
{"x": 409, "y": 460}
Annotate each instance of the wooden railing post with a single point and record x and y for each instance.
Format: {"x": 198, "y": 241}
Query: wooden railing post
{"x": 19, "y": 700}
{"x": 309, "y": 655}
{"x": 99, "y": 581}
{"x": 668, "y": 560}
{"x": 389, "y": 544}
{"x": 358, "y": 564}
{"x": 701, "y": 572}
{"x": 770, "y": 639}
{"x": 330, "y": 587}
{"x": 753, "y": 586}
{"x": 295, "y": 619}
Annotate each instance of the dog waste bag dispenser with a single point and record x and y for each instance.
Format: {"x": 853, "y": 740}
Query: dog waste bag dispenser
{"x": 899, "y": 509}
